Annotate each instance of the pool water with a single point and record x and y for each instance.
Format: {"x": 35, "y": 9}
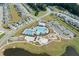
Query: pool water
{"x": 38, "y": 30}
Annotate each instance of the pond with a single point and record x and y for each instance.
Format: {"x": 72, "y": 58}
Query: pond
{"x": 20, "y": 52}
{"x": 70, "y": 51}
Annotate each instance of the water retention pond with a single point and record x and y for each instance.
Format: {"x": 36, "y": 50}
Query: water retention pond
{"x": 20, "y": 52}
{"x": 70, "y": 51}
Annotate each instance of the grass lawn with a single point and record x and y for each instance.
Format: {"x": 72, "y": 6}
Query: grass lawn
{"x": 1, "y": 34}
{"x": 53, "y": 48}
{"x": 49, "y": 18}
{"x": 41, "y": 13}
{"x": 14, "y": 14}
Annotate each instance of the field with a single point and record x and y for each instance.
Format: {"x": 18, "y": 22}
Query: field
{"x": 49, "y": 18}
{"x": 41, "y": 13}
{"x": 14, "y": 14}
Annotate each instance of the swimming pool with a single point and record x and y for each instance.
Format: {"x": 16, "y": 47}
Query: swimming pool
{"x": 38, "y": 30}
{"x": 28, "y": 32}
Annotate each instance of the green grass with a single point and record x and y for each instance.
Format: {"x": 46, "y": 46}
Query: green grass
{"x": 1, "y": 34}
{"x": 41, "y": 13}
{"x": 14, "y": 13}
{"x": 49, "y": 18}
{"x": 53, "y": 48}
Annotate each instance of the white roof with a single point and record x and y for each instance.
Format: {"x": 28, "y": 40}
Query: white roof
{"x": 43, "y": 41}
{"x": 41, "y": 23}
{"x": 29, "y": 38}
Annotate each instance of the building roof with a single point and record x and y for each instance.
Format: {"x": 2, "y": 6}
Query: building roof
{"x": 42, "y": 24}
{"x": 43, "y": 41}
{"x": 29, "y": 38}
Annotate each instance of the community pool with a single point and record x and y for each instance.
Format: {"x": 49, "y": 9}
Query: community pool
{"x": 28, "y": 31}
{"x": 38, "y": 30}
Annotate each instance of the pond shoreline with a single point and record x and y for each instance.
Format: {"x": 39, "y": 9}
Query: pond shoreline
{"x": 70, "y": 51}
{"x": 20, "y": 52}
